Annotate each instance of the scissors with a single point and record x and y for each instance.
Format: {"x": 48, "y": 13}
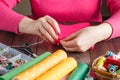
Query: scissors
{"x": 26, "y": 48}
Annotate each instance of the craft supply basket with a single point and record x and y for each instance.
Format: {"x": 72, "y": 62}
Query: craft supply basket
{"x": 103, "y": 75}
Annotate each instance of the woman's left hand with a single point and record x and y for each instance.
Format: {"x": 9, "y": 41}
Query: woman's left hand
{"x": 83, "y": 39}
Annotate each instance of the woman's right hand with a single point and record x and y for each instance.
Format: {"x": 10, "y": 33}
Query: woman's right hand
{"x": 46, "y": 27}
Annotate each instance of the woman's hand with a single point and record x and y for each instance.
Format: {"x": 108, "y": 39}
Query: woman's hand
{"x": 46, "y": 27}
{"x": 85, "y": 38}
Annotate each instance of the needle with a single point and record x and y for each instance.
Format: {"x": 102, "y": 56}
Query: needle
{"x": 28, "y": 45}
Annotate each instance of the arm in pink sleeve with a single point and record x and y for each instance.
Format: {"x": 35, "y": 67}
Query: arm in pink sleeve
{"x": 9, "y": 18}
{"x": 114, "y": 20}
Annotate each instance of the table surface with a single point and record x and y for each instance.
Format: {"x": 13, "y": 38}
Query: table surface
{"x": 11, "y": 39}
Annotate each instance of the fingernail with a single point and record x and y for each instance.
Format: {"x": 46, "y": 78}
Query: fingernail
{"x": 59, "y": 33}
{"x": 58, "y": 41}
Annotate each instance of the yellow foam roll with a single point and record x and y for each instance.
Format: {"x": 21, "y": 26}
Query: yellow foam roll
{"x": 41, "y": 67}
{"x": 60, "y": 70}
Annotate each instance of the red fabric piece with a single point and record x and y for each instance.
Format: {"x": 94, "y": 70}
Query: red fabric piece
{"x": 67, "y": 30}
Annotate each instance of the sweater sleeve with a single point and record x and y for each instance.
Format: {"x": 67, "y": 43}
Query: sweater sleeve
{"x": 114, "y": 20}
{"x": 9, "y": 18}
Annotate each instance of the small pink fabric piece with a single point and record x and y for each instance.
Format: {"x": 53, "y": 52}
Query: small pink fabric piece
{"x": 67, "y": 30}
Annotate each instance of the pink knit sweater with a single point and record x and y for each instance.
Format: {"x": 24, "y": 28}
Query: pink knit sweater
{"x": 63, "y": 11}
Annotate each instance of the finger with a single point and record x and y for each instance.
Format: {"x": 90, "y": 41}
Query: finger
{"x": 70, "y": 37}
{"x": 68, "y": 44}
{"x": 71, "y": 48}
{"x": 54, "y": 24}
{"x": 46, "y": 35}
{"x": 49, "y": 29}
{"x": 41, "y": 36}
{"x": 39, "y": 33}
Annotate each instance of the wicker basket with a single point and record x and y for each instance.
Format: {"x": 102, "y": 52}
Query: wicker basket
{"x": 103, "y": 75}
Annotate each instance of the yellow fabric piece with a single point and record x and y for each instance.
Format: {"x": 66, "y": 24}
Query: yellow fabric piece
{"x": 43, "y": 66}
{"x": 60, "y": 70}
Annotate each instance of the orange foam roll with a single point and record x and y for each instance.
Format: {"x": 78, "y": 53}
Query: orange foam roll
{"x": 60, "y": 70}
{"x": 43, "y": 66}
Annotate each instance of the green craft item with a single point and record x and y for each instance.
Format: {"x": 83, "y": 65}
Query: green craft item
{"x": 118, "y": 71}
{"x": 14, "y": 72}
{"x": 80, "y": 72}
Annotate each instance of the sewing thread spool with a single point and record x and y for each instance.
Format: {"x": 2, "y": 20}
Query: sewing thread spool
{"x": 110, "y": 60}
{"x": 109, "y": 53}
{"x": 112, "y": 69}
{"x": 106, "y": 65}
{"x": 100, "y": 62}
{"x": 116, "y": 57}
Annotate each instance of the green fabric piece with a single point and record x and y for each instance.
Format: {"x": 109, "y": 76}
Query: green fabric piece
{"x": 14, "y": 72}
{"x": 80, "y": 72}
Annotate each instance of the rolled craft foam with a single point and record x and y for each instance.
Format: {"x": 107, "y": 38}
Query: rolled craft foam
{"x": 60, "y": 70}
{"x": 43, "y": 66}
